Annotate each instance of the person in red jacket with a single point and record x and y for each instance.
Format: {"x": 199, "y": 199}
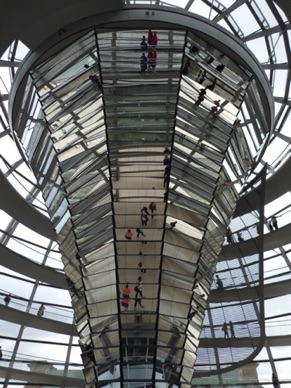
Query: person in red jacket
{"x": 155, "y": 39}
{"x": 152, "y": 60}
{"x": 128, "y": 234}
{"x": 126, "y": 297}
{"x": 150, "y": 37}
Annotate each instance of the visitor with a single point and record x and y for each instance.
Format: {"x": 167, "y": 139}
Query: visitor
{"x": 194, "y": 50}
{"x": 166, "y": 161}
{"x": 173, "y": 225}
{"x": 7, "y": 299}
{"x": 201, "y": 78}
{"x": 139, "y": 232}
{"x": 225, "y": 330}
{"x": 153, "y": 208}
{"x": 140, "y": 267}
{"x": 41, "y": 310}
{"x": 186, "y": 67}
{"x": 228, "y": 236}
{"x": 143, "y": 44}
{"x": 144, "y": 210}
{"x": 138, "y": 287}
{"x": 220, "y": 67}
{"x": 150, "y": 37}
{"x": 209, "y": 59}
{"x": 126, "y": 297}
{"x": 143, "y": 241}
{"x": 93, "y": 77}
{"x": 199, "y": 75}
{"x": 144, "y": 219}
{"x": 193, "y": 313}
{"x": 215, "y": 107}
{"x": 219, "y": 283}
{"x": 155, "y": 39}
{"x": 143, "y": 63}
{"x": 167, "y": 172}
{"x": 152, "y": 60}
{"x": 274, "y": 223}
{"x": 236, "y": 124}
{"x": 211, "y": 86}
{"x": 200, "y": 98}
{"x": 128, "y": 235}
{"x": 231, "y": 329}
{"x": 240, "y": 237}
{"x": 138, "y": 293}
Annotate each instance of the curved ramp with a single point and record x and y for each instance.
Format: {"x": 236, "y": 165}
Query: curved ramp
{"x": 17, "y": 207}
{"x": 20, "y": 264}
{"x": 41, "y": 378}
{"x": 243, "y": 342}
{"x": 272, "y": 240}
{"x": 277, "y": 185}
{"x": 41, "y": 323}
{"x": 272, "y": 290}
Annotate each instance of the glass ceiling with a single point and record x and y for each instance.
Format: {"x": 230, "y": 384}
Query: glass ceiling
{"x": 99, "y": 139}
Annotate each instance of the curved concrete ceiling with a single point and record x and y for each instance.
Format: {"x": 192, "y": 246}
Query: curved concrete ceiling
{"x": 19, "y": 209}
{"x": 46, "y": 17}
{"x": 33, "y": 21}
{"x": 285, "y": 6}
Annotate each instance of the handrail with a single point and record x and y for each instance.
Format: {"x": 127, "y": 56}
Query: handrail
{"x": 22, "y": 304}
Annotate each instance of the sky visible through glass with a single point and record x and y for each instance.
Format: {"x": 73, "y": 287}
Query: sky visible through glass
{"x": 278, "y": 150}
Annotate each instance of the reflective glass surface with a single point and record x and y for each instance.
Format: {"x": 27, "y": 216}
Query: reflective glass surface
{"x": 97, "y": 148}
